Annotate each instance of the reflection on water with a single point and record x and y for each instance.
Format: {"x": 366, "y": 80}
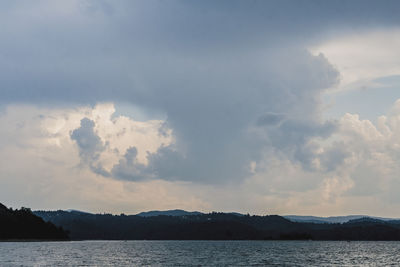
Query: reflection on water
{"x": 199, "y": 253}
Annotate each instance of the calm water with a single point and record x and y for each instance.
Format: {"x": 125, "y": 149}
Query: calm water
{"x": 199, "y": 253}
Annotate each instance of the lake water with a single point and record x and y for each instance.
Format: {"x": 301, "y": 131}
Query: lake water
{"x": 199, "y": 253}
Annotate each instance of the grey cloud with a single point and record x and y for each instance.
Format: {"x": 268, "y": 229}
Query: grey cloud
{"x": 128, "y": 168}
{"x": 292, "y": 137}
{"x": 211, "y": 108}
{"x": 75, "y": 55}
{"x": 90, "y": 145}
{"x": 213, "y": 68}
{"x": 99, "y": 169}
{"x": 270, "y": 119}
{"x": 334, "y": 156}
{"x": 211, "y": 126}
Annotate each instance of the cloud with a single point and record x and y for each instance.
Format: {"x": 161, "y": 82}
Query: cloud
{"x": 100, "y": 156}
{"x": 363, "y": 57}
{"x": 211, "y": 98}
{"x": 269, "y": 119}
{"x": 356, "y": 164}
{"x": 43, "y": 164}
{"x": 214, "y": 79}
{"x": 128, "y": 168}
{"x": 334, "y": 156}
{"x": 90, "y": 145}
{"x": 212, "y": 121}
{"x": 213, "y": 109}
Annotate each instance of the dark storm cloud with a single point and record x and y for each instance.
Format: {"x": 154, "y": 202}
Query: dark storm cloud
{"x": 214, "y": 68}
{"x": 83, "y": 51}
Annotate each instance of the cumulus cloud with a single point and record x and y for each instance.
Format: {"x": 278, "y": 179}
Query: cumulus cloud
{"x": 212, "y": 98}
{"x": 363, "y": 57}
{"x": 374, "y": 153}
{"x": 213, "y": 90}
{"x": 44, "y": 167}
{"x": 213, "y": 108}
{"x": 359, "y": 168}
{"x": 213, "y": 122}
{"x": 100, "y": 156}
{"x": 90, "y": 145}
{"x": 128, "y": 168}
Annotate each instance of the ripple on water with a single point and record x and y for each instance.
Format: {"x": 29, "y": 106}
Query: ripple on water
{"x": 199, "y": 253}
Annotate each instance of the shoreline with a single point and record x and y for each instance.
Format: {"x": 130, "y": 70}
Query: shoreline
{"x": 35, "y": 240}
{"x": 188, "y": 240}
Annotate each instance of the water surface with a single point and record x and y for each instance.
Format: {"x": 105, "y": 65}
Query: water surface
{"x": 199, "y": 253}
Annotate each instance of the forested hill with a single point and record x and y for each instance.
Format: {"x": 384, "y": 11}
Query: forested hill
{"x": 24, "y": 225}
{"x": 214, "y": 226}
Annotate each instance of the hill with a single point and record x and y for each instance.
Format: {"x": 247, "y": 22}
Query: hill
{"x": 214, "y": 226}
{"x": 168, "y": 213}
{"x": 22, "y": 224}
{"x": 332, "y": 219}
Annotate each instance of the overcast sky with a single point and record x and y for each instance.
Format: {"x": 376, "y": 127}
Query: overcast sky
{"x": 266, "y": 107}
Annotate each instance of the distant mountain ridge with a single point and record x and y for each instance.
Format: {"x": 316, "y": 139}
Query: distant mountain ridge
{"x": 176, "y": 212}
{"x": 332, "y": 219}
{"x": 78, "y": 211}
{"x": 172, "y": 225}
{"x": 293, "y": 218}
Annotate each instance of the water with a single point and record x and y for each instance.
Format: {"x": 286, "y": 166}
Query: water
{"x": 199, "y": 253}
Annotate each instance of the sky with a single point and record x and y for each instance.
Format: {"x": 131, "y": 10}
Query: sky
{"x": 261, "y": 107}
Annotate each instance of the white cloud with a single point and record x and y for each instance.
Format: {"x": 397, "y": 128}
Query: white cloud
{"x": 358, "y": 164}
{"x": 363, "y": 57}
{"x": 41, "y": 166}
{"x": 42, "y": 163}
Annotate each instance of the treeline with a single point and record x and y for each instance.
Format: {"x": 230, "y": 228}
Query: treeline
{"x": 214, "y": 226}
{"x": 22, "y": 224}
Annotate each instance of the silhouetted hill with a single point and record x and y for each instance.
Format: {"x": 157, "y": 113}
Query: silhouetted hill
{"x": 201, "y": 226}
{"x": 23, "y": 224}
{"x": 3, "y": 208}
{"x": 332, "y": 219}
{"x": 177, "y": 212}
{"x": 366, "y": 220}
{"x": 214, "y": 226}
{"x": 168, "y": 213}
